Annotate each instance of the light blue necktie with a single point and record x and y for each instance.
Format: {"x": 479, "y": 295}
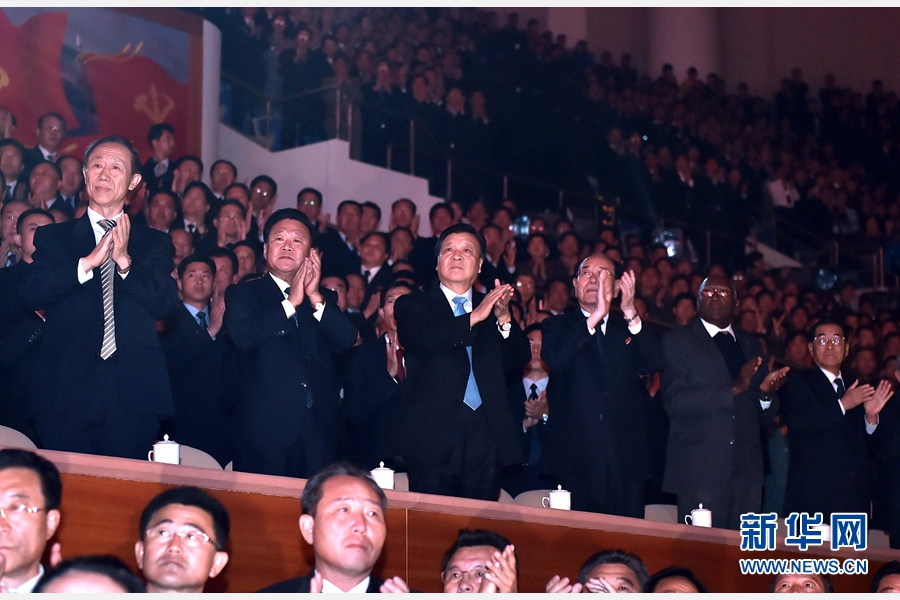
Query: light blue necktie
{"x": 472, "y": 399}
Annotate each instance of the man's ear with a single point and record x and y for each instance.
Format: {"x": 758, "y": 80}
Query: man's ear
{"x": 219, "y": 562}
{"x": 480, "y": 262}
{"x": 178, "y": 281}
{"x": 17, "y": 240}
{"x": 139, "y": 554}
{"x": 307, "y": 526}
{"x": 381, "y": 313}
{"x": 53, "y": 517}
{"x": 135, "y": 180}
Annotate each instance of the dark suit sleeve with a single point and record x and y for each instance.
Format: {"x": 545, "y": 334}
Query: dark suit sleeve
{"x": 516, "y": 349}
{"x": 804, "y": 412}
{"x": 420, "y": 335}
{"x": 563, "y": 342}
{"x": 150, "y": 280}
{"x": 250, "y": 324}
{"x": 369, "y": 385}
{"x": 687, "y": 394}
{"x": 341, "y": 333}
{"x": 53, "y": 274}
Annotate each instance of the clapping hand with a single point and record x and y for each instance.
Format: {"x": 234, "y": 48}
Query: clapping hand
{"x": 559, "y": 585}
{"x": 501, "y": 573}
{"x": 882, "y": 394}
{"x": 742, "y": 383}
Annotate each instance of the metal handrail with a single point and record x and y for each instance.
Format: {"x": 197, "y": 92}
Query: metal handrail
{"x": 280, "y": 99}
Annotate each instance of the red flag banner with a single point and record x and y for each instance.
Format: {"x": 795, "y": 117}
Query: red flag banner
{"x": 30, "y": 81}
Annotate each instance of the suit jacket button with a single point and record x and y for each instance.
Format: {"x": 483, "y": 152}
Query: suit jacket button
{"x": 731, "y": 442}
{"x": 600, "y": 417}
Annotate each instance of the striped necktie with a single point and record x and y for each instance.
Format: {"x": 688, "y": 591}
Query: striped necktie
{"x": 472, "y": 398}
{"x": 106, "y": 278}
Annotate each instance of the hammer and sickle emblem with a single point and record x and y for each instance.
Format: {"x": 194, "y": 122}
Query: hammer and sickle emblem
{"x": 150, "y": 104}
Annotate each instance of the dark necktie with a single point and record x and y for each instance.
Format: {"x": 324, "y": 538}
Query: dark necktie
{"x": 600, "y": 337}
{"x": 401, "y": 371}
{"x": 533, "y": 395}
{"x": 201, "y": 319}
{"x": 840, "y": 387}
{"x": 534, "y": 451}
{"x": 472, "y": 397}
{"x": 108, "y": 347}
{"x": 367, "y": 273}
{"x": 287, "y": 294}
{"x": 10, "y": 259}
{"x": 191, "y": 228}
{"x": 731, "y": 352}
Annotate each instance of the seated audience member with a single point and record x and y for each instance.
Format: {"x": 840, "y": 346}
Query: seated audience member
{"x": 187, "y": 169}
{"x": 20, "y": 329}
{"x": 340, "y": 244}
{"x": 423, "y": 257}
{"x": 403, "y": 214}
{"x": 198, "y": 356}
{"x": 608, "y": 571}
{"x": 195, "y": 204}
{"x": 13, "y": 168}
{"x": 401, "y": 244}
{"x": 230, "y": 224}
{"x": 161, "y": 211}
{"x": 184, "y": 245}
{"x": 263, "y": 191}
{"x": 344, "y": 521}
{"x": 369, "y": 218}
{"x": 159, "y": 168}
{"x": 90, "y": 575}
{"x": 10, "y": 251}
{"x": 51, "y": 131}
{"x": 357, "y": 310}
{"x": 309, "y": 202}
{"x": 226, "y": 268}
{"x": 374, "y": 378}
{"x": 374, "y": 251}
{"x": 247, "y": 259}
{"x": 800, "y": 584}
{"x": 887, "y": 579}
{"x": 43, "y": 186}
{"x": 479, "y": 562}
{"x": 30, "y": 491}
{"x": 678, "y": 580}
{"x": 222, "y": 173}
{"x": 184, "y": 533}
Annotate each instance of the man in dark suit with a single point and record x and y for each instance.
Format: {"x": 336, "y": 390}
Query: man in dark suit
{"x": 340, "y": 245}
{"x": 597, "y": 439}
{"x": 828, "y": 421}
{"x": 103, "y": 282}
{"x": 289, "y": 332}
{"x": 20, "y": 329}
{"x": 886, "y": 445}
{"x": 375, "y": 375}
{"x": 198, "y": 354}
{"x": 344, "y": 521}
{"x": 159, "y": 167}
{"x": 717, "y": 388}
{"x": 12, "y": 164}
{"x": 457, "y": 429}
{"x": 374, "y": 250}
{"x": 422, "y": 256}
{"x": 43, "y": 187}
{"x": 51, "y": 131}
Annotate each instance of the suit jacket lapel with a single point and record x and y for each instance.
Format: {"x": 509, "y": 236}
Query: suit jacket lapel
{"x": 440, "y": 304}
{"x": 713, "y": 356}
{"x": 84, "y": 236}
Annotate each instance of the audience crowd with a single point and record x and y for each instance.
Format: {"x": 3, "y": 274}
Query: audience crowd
{"x": 136, "y": 300}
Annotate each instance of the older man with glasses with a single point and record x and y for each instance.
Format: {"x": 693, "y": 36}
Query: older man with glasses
{"x": 829, "y": 419}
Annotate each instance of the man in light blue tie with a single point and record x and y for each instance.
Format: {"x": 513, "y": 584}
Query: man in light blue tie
{"x": 457, "y": 429}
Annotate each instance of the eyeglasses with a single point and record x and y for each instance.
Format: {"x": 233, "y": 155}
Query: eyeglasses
{"x": 191, "y": 537}
{"x": 599, "y": 274}
{"x": 835, "y": 340}
{"x": 261, "y": 192}
{"x": 476, "y": 575}
{"x": 710, "y": 292}
{"x": 18, "y": 512}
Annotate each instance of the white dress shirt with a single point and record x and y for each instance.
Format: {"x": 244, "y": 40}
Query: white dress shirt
{"x": 289, "y": 309}
{"x": 95, "y": 217}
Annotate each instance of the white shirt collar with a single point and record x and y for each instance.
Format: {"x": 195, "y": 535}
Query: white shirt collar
{"x": 45, "y": 152}
{"x": 360, "y": 588}
{"x": 194, "y": 310}
{"x": 450, "y": 294}
{"x": 95, "y": 217}
{"x": 282, "y": 284}
{"x": 372, "y": 272}
{"x": 712, "y": 330}
{"x": 28, "y": 586}
{"x": 602, "y": 321}
{"x": 540, "y": 383}
{"x": 831, "y": 377}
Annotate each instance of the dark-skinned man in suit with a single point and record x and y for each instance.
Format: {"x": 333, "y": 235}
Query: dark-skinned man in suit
{"x": 103, "y": 282}
{"x": 457, "y": 428}
{"x": 597, "y": 441}
{"x": 716, "y": 391}
{"x": 288, "y": 331}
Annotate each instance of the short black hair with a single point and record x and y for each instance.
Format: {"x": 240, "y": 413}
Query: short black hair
{"x": 468, "y": 538}
{"x": 385, "y": 237}
{"x": 349, "y": 203}
{"x": 826, "y": 582}
{"x": 12, "y": 115}
{"x": 889, "y": 568}
{"x": 237, "y": 203}
{"x": 614, "y": 557}
{"x": 14, "y": 143}
{"x": 156, "y": 132}
{"x": 206, "y": 259}
{"x": 106, "y": 565}
{"x": 406, "y": 200}
{"x": 223, "y": 161}
{"x": 114, "y": 139}
{"x": 292, "y": 214}
{"x": 52, "y": 115}
{"x": 189, "y": 157}
{"x": 309, "y": 190}
{"x": 245, "y": 243}
{"x": 461, "y": 228}
{"x": 224, "y": 253}
{"x": 373, "y": 206}
{"x": 264, "y": 179}
{"x": 51, "y": 485}
{"x": 312, "y": 493}
{"x": 163, "y": 192}
{"x": 340, "y": 276}
{"x": 825, "y": 321}
{"x": 207, "y": 193}
{"x": 30, "y": 212}
{"x": 55, "y": 166}
{"x": 236, "y": 184}
{"x": 650, "y": 585}
{"x": 441, "y": 206}
{"x": 393, "y": 286}
{"x": 533, "y": 327}
{"x": 190, "y": 496}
